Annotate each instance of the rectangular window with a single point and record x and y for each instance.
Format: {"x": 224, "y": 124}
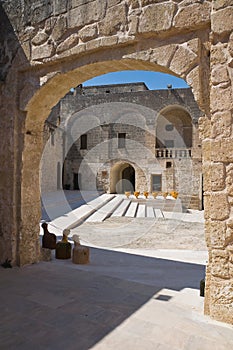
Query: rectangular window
{"x": 121, "y": 140}
{"x": 83, "y": 141}
{"x": 157, "y": 183}
{"x": 169, "y": 143}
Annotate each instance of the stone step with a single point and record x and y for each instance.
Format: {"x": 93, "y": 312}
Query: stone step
{"x": 105, "y": 211}
{"x": 150, "y": 212}
{"x": 77, "y": 216}
{"x": 158, "y": 213}
{"x": 121, "y": 210}
{"x": 141, "y": 212}
{"x": 131, "y": 212}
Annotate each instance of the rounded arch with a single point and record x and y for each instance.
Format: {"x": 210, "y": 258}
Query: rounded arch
{"x": 174, "y": 126}
{"x": 56, "y": 80}
{"x": 122, "y": 177}
{"x": 53, "y": 84}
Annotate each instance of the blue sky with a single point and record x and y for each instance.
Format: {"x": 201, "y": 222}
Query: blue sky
{"x": 153, "y": 80}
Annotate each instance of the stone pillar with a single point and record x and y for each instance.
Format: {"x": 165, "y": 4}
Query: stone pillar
{"x": 28, "y": 247}
{"x": 218, "y": 167}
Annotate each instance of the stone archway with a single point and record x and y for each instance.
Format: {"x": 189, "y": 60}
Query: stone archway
{"x": 122, "y": 178}
{"x": 47, "y": 49}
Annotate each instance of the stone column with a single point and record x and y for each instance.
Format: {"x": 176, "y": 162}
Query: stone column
{"x": 218, "y": 167}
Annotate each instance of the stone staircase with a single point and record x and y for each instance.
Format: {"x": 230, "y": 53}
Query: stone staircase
{"x": 111, "y": 205}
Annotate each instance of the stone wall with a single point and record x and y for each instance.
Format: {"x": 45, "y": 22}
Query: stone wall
{"x": 217, "y": 159}
{"x": 102, "y": 112}
{"x": 52, "y": 46}
{"x": 52, "y": 160}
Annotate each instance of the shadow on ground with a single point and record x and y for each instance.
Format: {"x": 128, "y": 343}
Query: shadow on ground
{"x": 59, "y": 305}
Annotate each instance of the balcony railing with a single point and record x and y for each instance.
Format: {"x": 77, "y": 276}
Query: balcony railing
{"x": 173, "y": 152}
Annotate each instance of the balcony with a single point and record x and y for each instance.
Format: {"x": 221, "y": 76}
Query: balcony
{"x": 173, "y": 152}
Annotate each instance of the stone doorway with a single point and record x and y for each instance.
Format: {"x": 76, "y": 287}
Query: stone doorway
{"x": 122, "y": 178}
{"x": 128, "y": 179}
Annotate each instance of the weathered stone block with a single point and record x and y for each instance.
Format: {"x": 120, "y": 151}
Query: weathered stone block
{"x": 193, "y": 80}
{"x": 133, "y": 25}
{"x": 88, "y": 32}
{"x": 221, "y": 300}
{"x": 218, "y": 54}
{"x": 229, "y": 182}
{"x": 220, "y": 263}
{"x": 109, "y": 41}
{"x": 59, "y": 6}
{"x": 93, "y": 44}
{"x": 216, "y": 206}
{"x": 87, "y": 13}
{"x": 49, "y": 24}
{"x": 78, "y": 49}
{"x": 206, "y": 150}
{"x": 221, "y": 3}
{"x": 221, "y": 124}
{"x": 38, "y": 11}
{"x": 59, "y": 28}
{"x": 219, "y": 75}
{"x": 76, "y": 3}
{"x": 134, "y": 4}
{"x": 222, "y": 20}
{"x": 204, "y": 127}
{"x": 192, "y": 15}
{"x": 230, "y": 45}
{"x": 230, "y": 250}
{"x": 183, "y": 60}
{"x": 214, "y": 176}
{"x": 43, "y": 51}
{"x": 113, "y": 2}
{"x": 230, "y": 222}
{"x": 71, "y": 41}
{"x": 194, "y": 45}
{"x": 114, "y": 20}
{"x": 215, "y": 234}
{"x": 229, "y": 233}
{"x": 162, "y": 55}
{"x": 216, "y": 98}
{"x": 40, "y": 38}
{"x": 222, "y": 292}
{"x": 125, "y": 39}
{"x": 149, "y": 2}
{"x": 221, "y": 150}
{"x": 156, "y": 18}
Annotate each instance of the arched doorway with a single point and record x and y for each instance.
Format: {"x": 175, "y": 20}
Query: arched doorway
{"x": 128, "y": 179}
{"x": 122, "y": 178}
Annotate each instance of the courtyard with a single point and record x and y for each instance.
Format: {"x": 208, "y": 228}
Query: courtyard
{"x": 140, "y": 290}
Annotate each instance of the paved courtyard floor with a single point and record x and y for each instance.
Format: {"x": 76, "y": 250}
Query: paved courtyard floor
{"x": 132, "y": 299}
{"x": 128, "y": 297}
